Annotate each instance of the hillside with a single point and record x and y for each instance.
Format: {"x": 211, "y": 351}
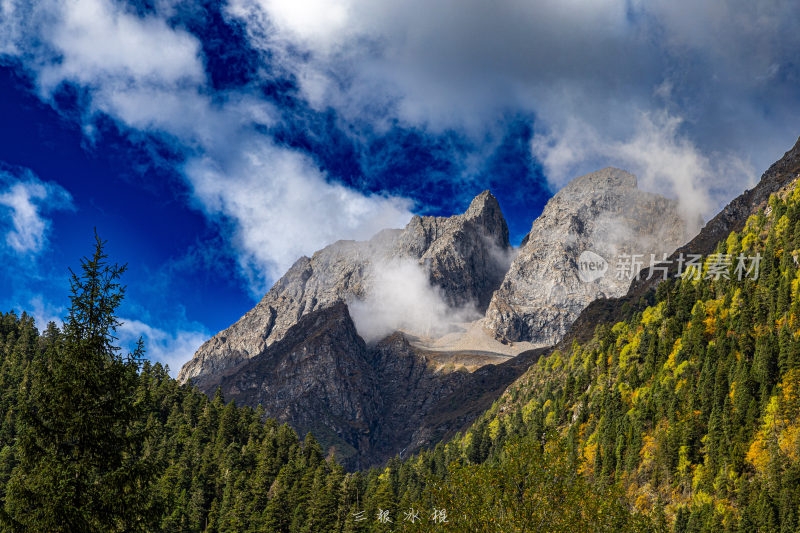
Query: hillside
{"x": 691, "y": 404}
{"x": 681, "y": 416}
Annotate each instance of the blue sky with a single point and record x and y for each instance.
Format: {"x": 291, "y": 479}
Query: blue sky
{"x": 212, "y": 143}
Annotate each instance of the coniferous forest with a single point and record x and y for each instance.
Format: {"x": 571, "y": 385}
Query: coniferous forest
{"x": 683, "y": 417}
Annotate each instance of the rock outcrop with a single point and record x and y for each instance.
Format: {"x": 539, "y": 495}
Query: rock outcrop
{"x": 317, "y": 377}
{"x": 365, "y": 403}
{"x": 601, "y": 223}
{"x": 465, "y": 256}
{"x": 733, "y": 217}
{"x": 456, "y": 411}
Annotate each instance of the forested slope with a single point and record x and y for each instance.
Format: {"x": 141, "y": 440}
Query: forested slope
{"x": 93, "y": 440}
{"x": 692, "y": 404}
{"x": 684, "y": 417}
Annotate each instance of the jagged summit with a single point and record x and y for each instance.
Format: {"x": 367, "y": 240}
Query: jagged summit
{"x": 270, "y": 355}
{"x": 300, "y": 353}
{"x": 462, "y": 256}
{"x": 485, "y": 202}
{"x": 602, "y": 212}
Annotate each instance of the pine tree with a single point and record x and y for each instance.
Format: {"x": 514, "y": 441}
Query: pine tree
{"x": 82, "y": 467}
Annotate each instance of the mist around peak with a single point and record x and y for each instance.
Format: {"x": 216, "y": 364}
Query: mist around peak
{"x": 403, "y": 298}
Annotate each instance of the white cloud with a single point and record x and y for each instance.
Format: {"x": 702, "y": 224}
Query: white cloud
{"x": 44, "y": 312}
{"x": 97, "y": 40}
{"x": 725, "y": 68}
{"x": 664, "y": 161}
{"x": 320, "y": 22}
{"x": 23, "y": 200}
{"x": 168, "y": 348}
{"x": 605, "y": 80}
{"x": 150, "y": 77}
{"x": 402, "y": 298}
{"x": 296, "y": 213}
{"x": 441, "y": 64}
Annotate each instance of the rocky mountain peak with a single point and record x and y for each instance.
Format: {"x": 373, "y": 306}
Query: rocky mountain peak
{"x": 300, "y": 352}
{"x": 485, "y": 211}
{"x": 483, "y": 204}
{"x": 602, "y": 213}
{"x": 463, "y": 256}
{"x": 609, "y": 178}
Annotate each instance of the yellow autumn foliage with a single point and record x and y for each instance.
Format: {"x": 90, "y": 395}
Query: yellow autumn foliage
{"x": 589, "y": 453}
{"x": 494, "y": 427}
{"x": 780, "y": 429}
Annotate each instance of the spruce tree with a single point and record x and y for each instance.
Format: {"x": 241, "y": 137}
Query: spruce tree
{"x": 81, "y": 463}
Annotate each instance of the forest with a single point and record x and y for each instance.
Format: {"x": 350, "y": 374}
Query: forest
{"x": 683, "y": 417}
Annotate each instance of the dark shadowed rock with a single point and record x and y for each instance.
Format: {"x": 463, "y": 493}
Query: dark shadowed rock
{"x": 317, "y": 378}
{"x": 366, "y": 403}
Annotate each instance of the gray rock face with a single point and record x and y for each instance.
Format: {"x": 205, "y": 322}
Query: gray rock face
{"x": 578, "y": 250}
{"x": 364, "y": 402}
{"x": 298, "y": 354}
{"x": 463, "y": 255}
{"x": 733, "y": 217}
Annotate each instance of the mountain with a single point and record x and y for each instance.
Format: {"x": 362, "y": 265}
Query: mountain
{"x": 318, "y": 377}
{"x": 366, "y": 402}
{"x": 603, "y": 216}
{"x": 310, "y": 353}
{"x": 206, "y": 465}
{"x": 732, "y": 218}
{"x": 321, "y": 377}
{"x": 463, "y": 256}
{"x": 680, "y": 415}
{"x": 445, "y": 421}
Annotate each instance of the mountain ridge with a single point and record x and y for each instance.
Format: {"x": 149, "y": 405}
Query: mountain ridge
{"x": 603, "y": 213}
{"x": 372, "y": 400}
{"x": 731, "y": 218}
{"x": 458, "y": 254}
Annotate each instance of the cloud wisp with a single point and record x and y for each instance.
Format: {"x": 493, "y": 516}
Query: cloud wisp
{"x": 401, "y": 297}
{"x": 695, "y": 97}
{"x": 664, "y": 161}
{"x": 171, "y": 349}
{"x": 24, "y": 201}
{"x": 691, "y": 96}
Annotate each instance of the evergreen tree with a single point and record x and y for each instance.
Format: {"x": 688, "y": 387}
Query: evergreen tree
{"x": 82, "y": 466}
